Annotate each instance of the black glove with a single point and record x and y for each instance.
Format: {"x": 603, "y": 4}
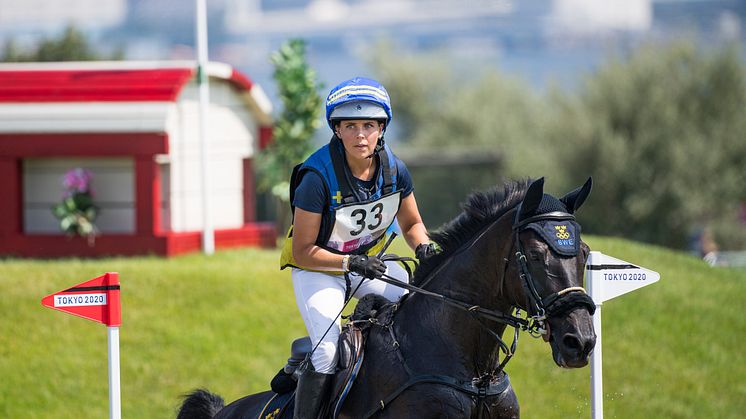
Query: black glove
{"x": 367, "y": 266}
{"x": 424, "y": 251}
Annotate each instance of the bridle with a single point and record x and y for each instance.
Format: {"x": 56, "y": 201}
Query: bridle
{"x": 556, "y": 303}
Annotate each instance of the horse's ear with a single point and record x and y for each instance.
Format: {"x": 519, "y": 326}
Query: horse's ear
{"x": 575, "y": 199}
{"x": 533, "y": 198}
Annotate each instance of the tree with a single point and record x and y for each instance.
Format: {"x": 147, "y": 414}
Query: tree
{"x": 293, "y": 130}
{"x": 72, "y": 45}
{"x": 661, "y": 130}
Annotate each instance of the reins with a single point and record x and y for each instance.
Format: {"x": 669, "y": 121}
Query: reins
{"x": 533, "y": 324}
{"x": 489, "y": 314}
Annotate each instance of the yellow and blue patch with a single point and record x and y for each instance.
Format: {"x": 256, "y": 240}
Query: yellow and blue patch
{"x": 562, "y": 236}
{"x": 280, "y": 406}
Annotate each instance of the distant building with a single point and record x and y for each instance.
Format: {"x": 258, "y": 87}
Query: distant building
{"x": 134, "y": 125}
{"x": 40, "y": 16}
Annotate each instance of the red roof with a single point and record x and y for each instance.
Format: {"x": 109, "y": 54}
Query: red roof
{"x": 125, "y": 84}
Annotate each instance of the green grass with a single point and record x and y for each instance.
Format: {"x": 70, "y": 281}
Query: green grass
{"x": 671, "y": 350}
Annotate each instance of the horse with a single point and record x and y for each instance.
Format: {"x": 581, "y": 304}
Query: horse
{"x": 512, "y": 250}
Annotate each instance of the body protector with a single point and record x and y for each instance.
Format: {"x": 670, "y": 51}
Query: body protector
{"x": 350, "y": 224}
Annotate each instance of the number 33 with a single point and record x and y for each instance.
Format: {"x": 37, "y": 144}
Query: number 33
{"x": 363, "y": 215}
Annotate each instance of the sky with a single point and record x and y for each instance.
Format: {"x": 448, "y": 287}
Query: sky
{"x": 542, "y": 41}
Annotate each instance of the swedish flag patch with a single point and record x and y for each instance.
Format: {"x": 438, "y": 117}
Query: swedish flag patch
{"x": 562, "y": 236}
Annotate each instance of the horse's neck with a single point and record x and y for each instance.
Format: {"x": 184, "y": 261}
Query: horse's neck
{"x": 444, "y": 339}
{"x": 476, "y": 274}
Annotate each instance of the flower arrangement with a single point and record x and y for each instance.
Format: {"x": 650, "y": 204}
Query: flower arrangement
{"x": 77, "y": 212}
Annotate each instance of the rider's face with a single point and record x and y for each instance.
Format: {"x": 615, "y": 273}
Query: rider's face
{"x": 359, "y": 136}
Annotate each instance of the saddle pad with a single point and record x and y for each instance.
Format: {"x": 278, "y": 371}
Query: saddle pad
{"x": 351, "y": 346}
{"x": 280, "y": 406}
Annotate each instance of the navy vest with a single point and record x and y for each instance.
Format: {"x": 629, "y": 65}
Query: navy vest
{"x": 329, "y": 163}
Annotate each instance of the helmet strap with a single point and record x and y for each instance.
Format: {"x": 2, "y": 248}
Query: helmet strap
{"x": 380, "y": 144}
{"x": 379, "y": 147}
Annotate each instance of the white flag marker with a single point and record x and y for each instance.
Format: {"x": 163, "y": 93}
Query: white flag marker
{"x": 608, "y": 277}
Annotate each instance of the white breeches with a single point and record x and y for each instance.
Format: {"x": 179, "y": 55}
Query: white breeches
{"x": 320, "y": 297}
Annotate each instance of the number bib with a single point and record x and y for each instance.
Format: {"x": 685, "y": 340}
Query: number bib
{"x": 356, "y": 225}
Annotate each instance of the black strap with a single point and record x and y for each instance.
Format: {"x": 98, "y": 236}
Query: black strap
{"x": 607, "y": 266}
{"x": 93, "y": 288}
{"x": 534, "y": 307}
{"x": 492, "y": 389}
{"x": 388, "y": 170}
{"x": 348, "y": 287}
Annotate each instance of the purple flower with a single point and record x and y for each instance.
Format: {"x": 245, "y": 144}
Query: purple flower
{"x": 77, "y": 180}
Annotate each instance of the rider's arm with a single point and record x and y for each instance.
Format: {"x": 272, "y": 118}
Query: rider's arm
{"x": 410, "y": 222}
{"x": 306, "y": 227}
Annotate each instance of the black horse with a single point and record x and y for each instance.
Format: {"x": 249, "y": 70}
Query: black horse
{"x": 440, "y": 354}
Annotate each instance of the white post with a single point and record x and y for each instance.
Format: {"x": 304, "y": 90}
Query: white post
{"x": 115, "y": 401}
{"x": 594, "y": 281}
{"x": 208, "y": 236}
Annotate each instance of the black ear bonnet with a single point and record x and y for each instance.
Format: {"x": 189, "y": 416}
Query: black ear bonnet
{"x": 563, "y": 236}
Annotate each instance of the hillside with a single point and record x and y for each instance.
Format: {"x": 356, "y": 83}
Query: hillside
{"x": 671, "y": 350}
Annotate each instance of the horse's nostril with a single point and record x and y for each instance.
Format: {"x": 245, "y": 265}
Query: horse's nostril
{"x": 572, "y": 342}
{"x": 589, "y": 345}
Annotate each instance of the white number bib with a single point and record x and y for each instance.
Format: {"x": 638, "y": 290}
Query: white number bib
{"x": 356, "y": 225}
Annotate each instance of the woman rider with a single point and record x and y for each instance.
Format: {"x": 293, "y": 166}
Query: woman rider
{"x": 345, "y": 197}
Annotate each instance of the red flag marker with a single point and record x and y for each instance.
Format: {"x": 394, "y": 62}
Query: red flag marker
{"x": 97, "y": 300}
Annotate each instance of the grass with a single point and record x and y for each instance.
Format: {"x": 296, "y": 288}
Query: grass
{"x": 671, "y": 350}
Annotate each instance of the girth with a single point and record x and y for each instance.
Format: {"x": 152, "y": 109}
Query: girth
{"x": 481, "y": 392}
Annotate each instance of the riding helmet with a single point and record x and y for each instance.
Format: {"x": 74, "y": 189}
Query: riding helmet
{"x": 358, "y": 98}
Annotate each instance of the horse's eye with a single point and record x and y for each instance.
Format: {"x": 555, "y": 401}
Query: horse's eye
{"x": 536, "y": 256}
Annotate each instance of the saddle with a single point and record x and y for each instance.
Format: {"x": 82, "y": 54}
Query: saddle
{"x": 350, "y": 350}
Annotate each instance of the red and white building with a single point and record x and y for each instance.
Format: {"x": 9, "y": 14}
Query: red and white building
{"x": 135, "y": 126}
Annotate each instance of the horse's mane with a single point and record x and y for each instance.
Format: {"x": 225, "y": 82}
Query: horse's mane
{"x": 479, "y": 210}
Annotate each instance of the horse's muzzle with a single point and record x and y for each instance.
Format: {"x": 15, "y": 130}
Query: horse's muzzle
{"x": 572, "y": 339}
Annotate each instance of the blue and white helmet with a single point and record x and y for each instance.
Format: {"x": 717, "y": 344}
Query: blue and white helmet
{"x": 358, "y": 98}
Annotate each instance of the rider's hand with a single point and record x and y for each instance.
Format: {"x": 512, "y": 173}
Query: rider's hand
{"x": 367, "y": 266}
{"x": 424, "y": 251}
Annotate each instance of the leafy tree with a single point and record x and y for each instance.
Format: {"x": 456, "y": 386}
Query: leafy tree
{"x": 298, "y": 90}
{"x": 661, "y": 130}
{"x": 72, "y": 45}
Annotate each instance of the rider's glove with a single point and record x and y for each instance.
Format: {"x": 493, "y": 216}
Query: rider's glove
{"x": 424, "y": 251}
{"x": 367, "y": 266}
